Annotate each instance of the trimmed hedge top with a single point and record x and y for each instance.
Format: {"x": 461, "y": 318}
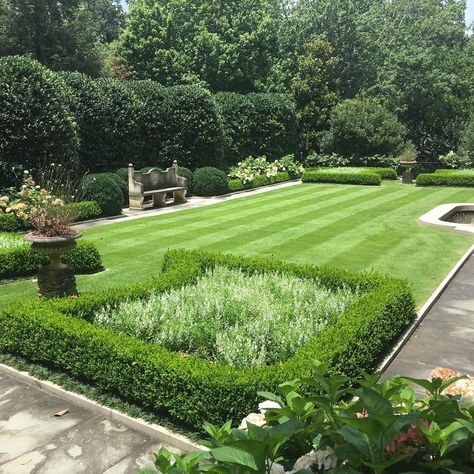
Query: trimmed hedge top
{"x": 364, "y": 176}
{"x": 191, "y": 389}
{"x": 447, "y": 178}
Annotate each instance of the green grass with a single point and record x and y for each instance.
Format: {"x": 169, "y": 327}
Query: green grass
{"x": 356, "y": 227}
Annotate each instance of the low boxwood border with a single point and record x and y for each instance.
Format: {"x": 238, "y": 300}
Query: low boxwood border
{"x": 344, "y": 177}
{"x": 22, "y": 261}
{"x": 445, "y": 178}
{"x": 258, "y": 182}
{"x": 192, "y": 390}
{"x": 384, "y": 173}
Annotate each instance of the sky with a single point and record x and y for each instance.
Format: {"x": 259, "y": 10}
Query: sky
{"x": 469, "y": 11}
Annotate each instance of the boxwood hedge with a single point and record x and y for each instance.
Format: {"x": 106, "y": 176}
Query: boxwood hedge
{"x": 22, "y": 261}
{"x": 258, "y": 181}
{"x": 190, "y": 389}
{"x": 446, "y": 178}
{"x": 328, "y": 175}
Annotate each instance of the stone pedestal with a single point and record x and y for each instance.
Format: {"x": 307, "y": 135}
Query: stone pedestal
{"x": 56, "y": 279}
{"x": 407, "y": 175}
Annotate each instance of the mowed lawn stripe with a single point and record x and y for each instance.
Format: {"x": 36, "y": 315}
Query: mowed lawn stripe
{"x": 285, "y": 229}
{"x": 271, "y": 221}
{"x": 194, "y": 219}
{"x": 342, "y": 220}
{"x": 164, "y": 233}
{"x": 380, "y": 235}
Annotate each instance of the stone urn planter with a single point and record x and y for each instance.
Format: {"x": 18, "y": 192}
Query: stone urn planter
{"x": 407, "y": 175}
{"x": 55, "y": 279}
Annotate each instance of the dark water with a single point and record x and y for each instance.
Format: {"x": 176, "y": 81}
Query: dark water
{"x": 461, "y": 217}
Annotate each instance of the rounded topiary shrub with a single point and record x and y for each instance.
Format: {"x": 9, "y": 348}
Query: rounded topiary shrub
{"x": 105, "y": 191}
{"x": 36, "y": 123}
{"x": 364, "y": 127}
{"x": 123, "y": 185}
{"x": 188, "y": 174}
{"x": 123, "y": 173}
{"x": 209, "y": 181}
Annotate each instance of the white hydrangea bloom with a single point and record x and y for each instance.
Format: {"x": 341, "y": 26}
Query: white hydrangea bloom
{"x": 267, "y": 404}
{"x": 257, "y": 419}
{"x": 325, "y": 458}
{"x": 277, "y": 469}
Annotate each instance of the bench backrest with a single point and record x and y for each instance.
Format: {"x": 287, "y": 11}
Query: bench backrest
{"x": 157, "y": 179}
{"x": 153, "y": 179}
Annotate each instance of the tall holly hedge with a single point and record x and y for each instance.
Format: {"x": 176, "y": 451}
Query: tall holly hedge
{"x": 36, "y": 123}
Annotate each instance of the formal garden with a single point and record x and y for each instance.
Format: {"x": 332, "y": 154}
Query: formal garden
{"x": 211, "y": 219}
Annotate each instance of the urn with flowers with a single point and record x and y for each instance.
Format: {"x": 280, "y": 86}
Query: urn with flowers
{"x": 51, "y": 234}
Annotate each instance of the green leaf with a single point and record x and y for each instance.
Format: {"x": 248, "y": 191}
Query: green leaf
{"x": 230, "y": 455}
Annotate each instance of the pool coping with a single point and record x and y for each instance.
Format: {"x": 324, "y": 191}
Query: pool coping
{"x": 423, "y": 312}
{"x": 434, "y": 218}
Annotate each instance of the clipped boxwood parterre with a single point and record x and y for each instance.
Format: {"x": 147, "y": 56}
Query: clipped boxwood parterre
{"x": 329, "y": 175}
{"x": 190, "y": 389}
{"x": 446, "y": 178}
{"x": 22, "y": 261}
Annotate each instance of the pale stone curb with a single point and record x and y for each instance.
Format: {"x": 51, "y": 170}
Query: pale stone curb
{"x": 152, "y": 430}
{"x": 423, "y": 311}
{"x": 434, "y": 218}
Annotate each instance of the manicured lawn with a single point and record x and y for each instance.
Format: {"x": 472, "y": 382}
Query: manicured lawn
{"x": 356, "y": 227}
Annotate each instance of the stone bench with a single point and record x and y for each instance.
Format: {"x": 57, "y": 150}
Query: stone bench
{"x": 150, "y": 189}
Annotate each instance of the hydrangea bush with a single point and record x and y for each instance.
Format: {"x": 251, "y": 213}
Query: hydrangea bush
{"x": 345, "y": 426}
{"x": 248, "y": 169}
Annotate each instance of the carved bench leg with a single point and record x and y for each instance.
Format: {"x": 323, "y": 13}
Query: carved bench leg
{"x": 136, "y": 202}
{"x": 180, "y": 196}
{"x": 159, "y": 200}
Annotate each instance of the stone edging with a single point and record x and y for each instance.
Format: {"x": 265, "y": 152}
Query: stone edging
{"x": 423, "y": 311}
{"x": 435, "y": 217}
{"x": 149, "y": 429}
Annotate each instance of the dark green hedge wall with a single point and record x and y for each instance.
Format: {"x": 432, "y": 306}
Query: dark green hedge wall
{"x": 36, "y": 123}
{"x": 257, "y": 124}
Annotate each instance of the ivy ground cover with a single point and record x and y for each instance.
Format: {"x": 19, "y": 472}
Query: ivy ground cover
{"x": 354, "y": 227}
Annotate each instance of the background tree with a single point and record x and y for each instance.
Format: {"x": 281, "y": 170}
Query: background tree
{"x": 364, "y": 127}
{"x": 61, "y": 34}
{"x": 315, "y": 90}
{"x": 228, "y": 46}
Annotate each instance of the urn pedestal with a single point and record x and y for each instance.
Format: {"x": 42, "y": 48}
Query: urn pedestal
{"x": 407, "y": 175}
{"x": 56, "y": 279}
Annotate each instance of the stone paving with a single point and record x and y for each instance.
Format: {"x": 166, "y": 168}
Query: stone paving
{"x": 34, "y": 441}
{"x": 445, "y": 337}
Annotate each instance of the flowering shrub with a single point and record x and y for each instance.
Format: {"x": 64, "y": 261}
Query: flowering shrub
{"x": 37, "y": 206}
{"x": 248, "y": 169}
{"x": 344, "y": 426}
{"x": 456, "y": 160}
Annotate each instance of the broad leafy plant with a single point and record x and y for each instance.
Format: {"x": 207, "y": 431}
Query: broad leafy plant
{"x": 344, "y": 426}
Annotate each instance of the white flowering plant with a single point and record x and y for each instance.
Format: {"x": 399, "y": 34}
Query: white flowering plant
{"x": 345, "y": 426}
{"x": 247, "y": 170}
{"x": 39, "y": 208}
